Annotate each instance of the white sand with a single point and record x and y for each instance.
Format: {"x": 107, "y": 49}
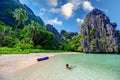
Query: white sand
{"x": 14, "y": 62}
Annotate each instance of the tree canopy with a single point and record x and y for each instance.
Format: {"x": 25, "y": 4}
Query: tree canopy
{"x": 21, "y": 16}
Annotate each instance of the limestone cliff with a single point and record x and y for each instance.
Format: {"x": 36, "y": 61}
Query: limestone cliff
{"x": 98, "y": 33}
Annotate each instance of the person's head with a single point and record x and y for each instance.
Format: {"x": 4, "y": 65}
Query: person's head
{"x": 67, "y": 65}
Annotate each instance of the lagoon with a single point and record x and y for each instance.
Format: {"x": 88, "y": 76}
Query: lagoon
{"x": 85, "y": 67}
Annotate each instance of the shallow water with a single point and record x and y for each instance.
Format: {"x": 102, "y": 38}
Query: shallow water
{"x": 85, "y": 67}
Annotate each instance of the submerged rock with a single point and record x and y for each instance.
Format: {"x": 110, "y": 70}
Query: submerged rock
{"x": 98, "y": 33}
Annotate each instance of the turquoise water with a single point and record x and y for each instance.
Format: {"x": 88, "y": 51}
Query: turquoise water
{"x": 85, "y": 67}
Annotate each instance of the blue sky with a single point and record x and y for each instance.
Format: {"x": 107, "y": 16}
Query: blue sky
{"x": 69, "y": 14}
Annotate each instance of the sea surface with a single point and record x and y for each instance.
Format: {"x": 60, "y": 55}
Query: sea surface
{"x": 84, "y": 67}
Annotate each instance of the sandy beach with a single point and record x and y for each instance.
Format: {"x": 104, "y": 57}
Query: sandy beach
{"x": 13, "y": 62}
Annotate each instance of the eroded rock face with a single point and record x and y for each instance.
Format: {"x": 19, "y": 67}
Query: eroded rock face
{"x": 50, "y": 28}
{"x": 98, "y": 33}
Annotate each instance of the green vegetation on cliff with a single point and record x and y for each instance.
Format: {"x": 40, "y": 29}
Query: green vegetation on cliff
{"x": 7, "y": 7}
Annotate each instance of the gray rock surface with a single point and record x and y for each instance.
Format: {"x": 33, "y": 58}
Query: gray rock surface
{"x": 98, "y": 33}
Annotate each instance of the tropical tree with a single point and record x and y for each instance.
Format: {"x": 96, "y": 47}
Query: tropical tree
{"x": 33, "y": 29}
{"x": 21, "y": 16}
{"x": 74, "y": 43}
{"x": 38, "y": 34}
{"x": 4, "y": 31}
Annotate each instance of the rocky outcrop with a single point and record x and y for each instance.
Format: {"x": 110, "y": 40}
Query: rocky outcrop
{"x": 67, "y": 35}
{"x": 62, "y": 32}
{"x": 62, "y": 36}
{"x": 72, "y": 34}
{"x": 98, "y": 33}
{"x": 50, "y": 28}
{"x": 7, "y": 7}
{"x": 118, "y": 39}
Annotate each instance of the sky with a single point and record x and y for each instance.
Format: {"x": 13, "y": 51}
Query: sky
{"x": 69, "y": 14}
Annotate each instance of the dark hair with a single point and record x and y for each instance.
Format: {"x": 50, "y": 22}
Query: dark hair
{"x": 67, "y": 64}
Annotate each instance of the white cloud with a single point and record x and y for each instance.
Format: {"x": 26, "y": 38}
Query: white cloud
{"x": 76, "y": 3}
{"x": 53, "y": 2}
{"x": 54, "y": 10}
{"x": 55, "y": 22}
{"x": 67, "y": 10}
{"x": 87, "y": 6}
{"x": 79, "y": 20}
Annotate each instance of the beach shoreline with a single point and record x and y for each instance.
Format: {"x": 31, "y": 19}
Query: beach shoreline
{"x": 11, "y": 63}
